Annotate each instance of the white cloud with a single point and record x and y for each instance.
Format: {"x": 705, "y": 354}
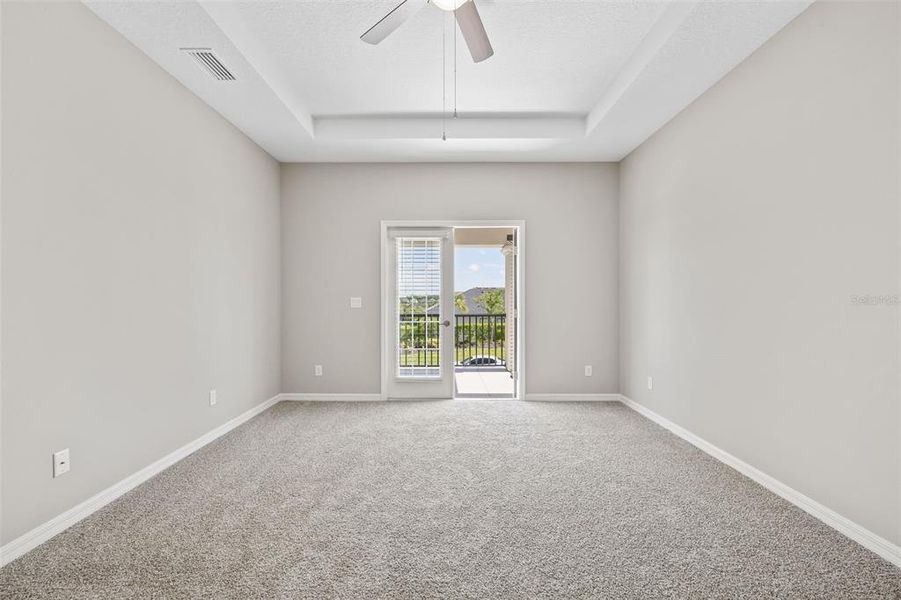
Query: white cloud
{"x": 474, "y": 268}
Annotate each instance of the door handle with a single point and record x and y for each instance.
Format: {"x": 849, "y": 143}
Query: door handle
{"x": 446, "y": 323}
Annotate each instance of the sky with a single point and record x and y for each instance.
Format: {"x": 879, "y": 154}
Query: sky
{"x": 478, "y": 267}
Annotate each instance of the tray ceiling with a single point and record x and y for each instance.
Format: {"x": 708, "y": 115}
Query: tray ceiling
{"x": 569, "y": 81}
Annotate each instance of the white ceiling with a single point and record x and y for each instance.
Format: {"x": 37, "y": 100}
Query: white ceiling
{"x": 569, "y": 81}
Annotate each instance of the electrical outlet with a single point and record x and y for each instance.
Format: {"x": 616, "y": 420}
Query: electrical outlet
{"x": 317, "y": 370}
{"x": 650, "y": 383}
{"x": 60, "y": 462}
{"x": 356, "y": 302}
{"x": 587, "y": 370}
{"x": 212, "y": 397}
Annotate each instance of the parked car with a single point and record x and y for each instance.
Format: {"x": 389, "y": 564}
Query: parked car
{"x": 483, "y": 361}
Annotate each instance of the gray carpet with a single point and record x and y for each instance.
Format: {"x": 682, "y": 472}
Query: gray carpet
{"x": 454, "y": 499}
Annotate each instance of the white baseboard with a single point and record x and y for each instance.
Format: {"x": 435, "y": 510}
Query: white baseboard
{"x": 314, "y": 397}
{"x": 40, "y": 534}
{"x": 866, "y": 538}
{"x": 572, "y": 397}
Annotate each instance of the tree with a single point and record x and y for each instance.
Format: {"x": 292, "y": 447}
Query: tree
{"x": 492, "y": 301}
{"x": 460, "y": 304}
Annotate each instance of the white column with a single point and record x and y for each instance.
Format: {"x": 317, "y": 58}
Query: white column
{"x": 509, "y": 250}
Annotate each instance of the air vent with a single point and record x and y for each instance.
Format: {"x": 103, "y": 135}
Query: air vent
{"x": 210, "y": 63}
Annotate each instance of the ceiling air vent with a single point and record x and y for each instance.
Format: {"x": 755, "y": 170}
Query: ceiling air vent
{"x": 210, "y": 63}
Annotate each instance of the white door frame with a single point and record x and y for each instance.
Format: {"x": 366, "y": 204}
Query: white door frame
{"x": 387, "y": 317}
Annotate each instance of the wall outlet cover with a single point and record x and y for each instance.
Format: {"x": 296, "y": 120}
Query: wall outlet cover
{"x": 317, "y": 370}
{"x": 356, "y": 302}
{"x": 588, "y": 370}
{"x": 650, "y": 383}
{"x": 60, "y": 462}
{"x": 213, "y": 399}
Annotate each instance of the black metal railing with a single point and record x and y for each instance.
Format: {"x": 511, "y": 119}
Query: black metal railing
{"x": 419, "y": 337}
{"x": 479, "y": 340}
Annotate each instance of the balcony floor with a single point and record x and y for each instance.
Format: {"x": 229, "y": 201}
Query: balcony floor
{"x": 483, "y": 382}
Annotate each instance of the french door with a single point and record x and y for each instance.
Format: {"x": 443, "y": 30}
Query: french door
{"x": 419, "y": 312}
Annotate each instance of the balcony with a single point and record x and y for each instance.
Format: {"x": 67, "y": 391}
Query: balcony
{"x": 480, "y": 352}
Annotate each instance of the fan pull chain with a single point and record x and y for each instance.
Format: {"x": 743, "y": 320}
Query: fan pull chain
{"x": 454, "y": 26}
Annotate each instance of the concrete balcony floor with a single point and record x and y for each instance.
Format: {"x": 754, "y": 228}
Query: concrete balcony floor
{"x": 483, "y": 382}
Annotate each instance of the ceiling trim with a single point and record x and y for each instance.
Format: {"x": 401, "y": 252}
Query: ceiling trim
{"x": 462, "y": 127}
{"x": 226, "y": 16}
{"x": 690, "y": 46}
{"x": 668, "y": 24}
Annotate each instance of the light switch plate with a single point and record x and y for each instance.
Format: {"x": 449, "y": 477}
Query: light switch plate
{"x": 650, "y": 383}
{"x": 356, "y": 302}
{"x": 60, "y": 462}
{"x": 213, "y": 399}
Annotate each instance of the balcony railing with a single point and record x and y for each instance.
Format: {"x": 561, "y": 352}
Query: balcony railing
{"x": 476, "y": 338}
{"x": 479, "y": 338}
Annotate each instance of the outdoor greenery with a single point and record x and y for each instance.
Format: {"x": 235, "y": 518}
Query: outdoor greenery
{"x": 429, "y": 358}
{"x": 461, "y": 354}
{"x": 421, "y": 358}
{"x": 460, "y": 304}
{"x": 474, "y": 336}
{"x": 492, "y": 301}
{"x": 416, "y": 305}
{"x": 469, "y": 333}
{"x": 480, "y": 332}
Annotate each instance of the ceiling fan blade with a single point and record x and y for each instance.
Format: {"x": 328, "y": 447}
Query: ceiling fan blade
{"x": 473, "y": 31}
{"x": 392, "y": 21}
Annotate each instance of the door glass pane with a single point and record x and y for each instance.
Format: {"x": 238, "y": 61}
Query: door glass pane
{"x": 418, "y": 307}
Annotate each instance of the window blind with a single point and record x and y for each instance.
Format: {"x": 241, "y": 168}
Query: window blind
{"x": 418, "y": 307}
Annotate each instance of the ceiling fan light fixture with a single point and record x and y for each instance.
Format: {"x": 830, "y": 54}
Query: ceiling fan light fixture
{"x": 465, "y": 13}
{"x": 449, "y": 5}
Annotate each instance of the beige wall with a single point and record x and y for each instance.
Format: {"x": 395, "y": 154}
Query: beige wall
{"x": 140, "y": 261}
{"x": 330, "y": 242}
{"x": 748, "y": 225}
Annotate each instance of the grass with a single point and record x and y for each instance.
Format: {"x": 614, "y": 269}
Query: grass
{"x": 420, "y": 358}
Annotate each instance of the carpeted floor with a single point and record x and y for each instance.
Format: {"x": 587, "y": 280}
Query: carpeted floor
{"x": 453, "y": 499}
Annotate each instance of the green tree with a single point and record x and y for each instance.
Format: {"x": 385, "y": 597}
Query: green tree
{"x": 460, "y": 304}
{"x": 492, "y": 301}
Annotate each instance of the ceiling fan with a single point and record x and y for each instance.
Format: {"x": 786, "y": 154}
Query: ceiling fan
{"x": 467, "y": 18}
